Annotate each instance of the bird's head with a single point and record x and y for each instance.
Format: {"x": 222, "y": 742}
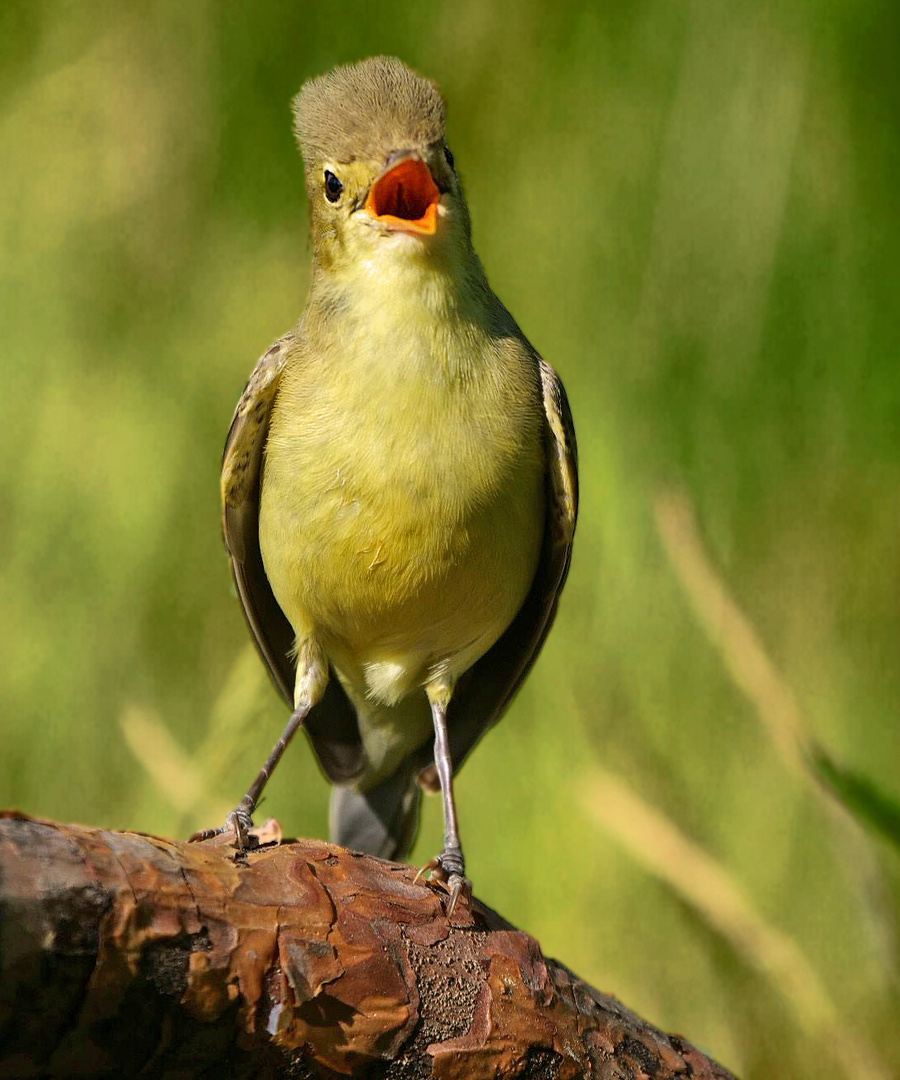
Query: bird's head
{"x": 381, "y": 179}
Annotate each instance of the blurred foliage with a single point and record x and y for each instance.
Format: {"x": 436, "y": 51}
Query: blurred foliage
{"x": 691, "y": 209}
{"x": 877, "y": 811}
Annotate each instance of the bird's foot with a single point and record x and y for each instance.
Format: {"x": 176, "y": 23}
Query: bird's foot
{"x": 449, "y": 868}
{"x": 240, "y": 831}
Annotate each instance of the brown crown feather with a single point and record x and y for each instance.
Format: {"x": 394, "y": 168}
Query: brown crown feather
{"x": 365, "y": 111}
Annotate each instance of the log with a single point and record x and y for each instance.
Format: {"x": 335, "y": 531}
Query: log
{"x": 123, "y": 955}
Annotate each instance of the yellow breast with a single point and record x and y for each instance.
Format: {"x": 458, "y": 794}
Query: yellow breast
{"x": 402, "y": 504}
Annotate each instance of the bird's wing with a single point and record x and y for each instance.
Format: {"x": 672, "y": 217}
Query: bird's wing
{"x": 486, "y": 690}
{"x": 332, "y": 725}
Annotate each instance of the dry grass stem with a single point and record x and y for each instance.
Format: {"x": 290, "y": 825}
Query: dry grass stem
{"x": 659, "y": 846}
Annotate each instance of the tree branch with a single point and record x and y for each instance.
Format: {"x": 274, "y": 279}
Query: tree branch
{"x": 123, "y": 954}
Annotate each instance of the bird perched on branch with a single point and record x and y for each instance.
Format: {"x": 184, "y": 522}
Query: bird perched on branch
{"x": 399, "y": 481}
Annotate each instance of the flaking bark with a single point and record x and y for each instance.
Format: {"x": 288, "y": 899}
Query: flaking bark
{"x": 125, "y": 955}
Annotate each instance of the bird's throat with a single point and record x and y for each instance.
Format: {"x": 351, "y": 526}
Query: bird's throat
{"x": 403, "y": 312}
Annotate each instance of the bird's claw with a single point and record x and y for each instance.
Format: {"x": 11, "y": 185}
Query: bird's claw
{"x": 240, "y": 822}
{"x": 458, "y": 886}
{"x": 449, "y": 869}
{"x": 238, "y": 827}
{"x": 429, "y": 868}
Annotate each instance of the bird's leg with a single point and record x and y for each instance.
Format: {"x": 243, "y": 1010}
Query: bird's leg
{"x": 450, "y": 861}
{"x": 312, "y": 678}
{"x": 240, "y": 820}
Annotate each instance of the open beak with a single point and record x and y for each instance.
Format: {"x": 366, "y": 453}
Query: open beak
{"x": 405, "y": 198}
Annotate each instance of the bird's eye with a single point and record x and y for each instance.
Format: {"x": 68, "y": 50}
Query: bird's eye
{"x": 448, "y": 156}
{"x": 333, "y": 187}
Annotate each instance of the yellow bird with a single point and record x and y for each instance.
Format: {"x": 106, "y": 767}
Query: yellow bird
{"x": 399, "y": 481}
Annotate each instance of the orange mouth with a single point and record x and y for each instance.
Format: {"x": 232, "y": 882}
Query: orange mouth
{"x": 406, "y": 198}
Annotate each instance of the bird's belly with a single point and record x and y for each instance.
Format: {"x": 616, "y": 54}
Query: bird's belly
{"x": 404, "y": 575}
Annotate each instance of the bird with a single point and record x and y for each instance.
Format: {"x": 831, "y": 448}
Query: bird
{"x": 399, "y": 482}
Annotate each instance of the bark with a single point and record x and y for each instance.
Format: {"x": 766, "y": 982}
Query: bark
{"x": 125, "y": 955}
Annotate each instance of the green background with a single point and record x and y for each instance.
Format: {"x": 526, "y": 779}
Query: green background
{"x": 692, "y": 210}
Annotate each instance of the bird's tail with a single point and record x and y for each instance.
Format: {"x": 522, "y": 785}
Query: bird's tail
{"x": 381, "y": 821}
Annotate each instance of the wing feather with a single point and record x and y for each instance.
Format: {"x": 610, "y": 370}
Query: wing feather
{"x": 332, "y": 725}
